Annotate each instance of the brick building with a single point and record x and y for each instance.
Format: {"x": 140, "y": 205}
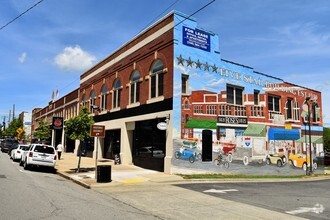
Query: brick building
{"x": 168, "y": 88}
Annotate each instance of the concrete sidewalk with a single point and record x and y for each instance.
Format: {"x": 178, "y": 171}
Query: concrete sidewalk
{"x": 120, "y": 174}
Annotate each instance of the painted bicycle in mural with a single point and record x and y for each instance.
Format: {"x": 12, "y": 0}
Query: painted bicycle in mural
{"x": 221, "y": 160}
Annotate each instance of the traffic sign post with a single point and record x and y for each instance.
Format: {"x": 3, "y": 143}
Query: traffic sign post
{"x": 97, "y": 131}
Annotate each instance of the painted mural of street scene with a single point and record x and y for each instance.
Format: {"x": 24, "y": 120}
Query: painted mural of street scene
{"x": 256, "y": 122}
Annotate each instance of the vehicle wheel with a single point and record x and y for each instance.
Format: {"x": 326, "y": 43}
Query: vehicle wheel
{"x": 230, "y": 158}
{"x": 284, "y": 159}
{"x": 260, "y": 162}
{"x": 26, "y": 166}
{"x": 199, "y": 156}
{"x": 245, "y": 160}
{"x": 216, "y": 162}
{"x": 268, "y": 161}
{"x": 191, "y": 159}
{"x": 315, "y": 166}
{"x": 226, "y": 165}
{"x": 304, "y": 166}
{"x": 291, "y": 162}
{"x": 177, "y": 155}
{"x": 21, "y": 162}
{"x": 279, "y": 163}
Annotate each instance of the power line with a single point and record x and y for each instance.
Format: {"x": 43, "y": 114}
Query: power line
{"x": 21, "y": 14}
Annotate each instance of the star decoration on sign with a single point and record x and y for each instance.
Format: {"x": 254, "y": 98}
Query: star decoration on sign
{"x": 206, "y": 66}
{"x": 198, "y": 64}
{"x": 214, "y": 68}
{"x": 189, "y": 62}
{"x": 180, "y": 60}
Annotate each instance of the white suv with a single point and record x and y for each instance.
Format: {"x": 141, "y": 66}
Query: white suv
{"x": 39, "y": 155}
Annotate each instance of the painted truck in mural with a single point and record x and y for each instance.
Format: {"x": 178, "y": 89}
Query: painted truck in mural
{"x": 246, "y": 149}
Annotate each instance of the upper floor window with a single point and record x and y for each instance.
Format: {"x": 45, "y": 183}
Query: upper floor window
{"x": 296, "y": 111}
{"x": 135, "y": 87}
{"x": 104, "y": 97}
{"x": 84, "y": 100}
{"x": 157, "y": 79}
{"x": 234, "y": 95}
{"x": 256, "y": 97}
{"x": 273, "y": 103}
{"x": 288, "y": 109}
{"x": 116, "y": 94}
{"x": 92, "y": 100}
{"x": 184, "y": 83}
{"x": 315, "y": 112}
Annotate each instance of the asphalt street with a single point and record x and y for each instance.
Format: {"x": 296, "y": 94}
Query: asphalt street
{"x": 307, "y": 199}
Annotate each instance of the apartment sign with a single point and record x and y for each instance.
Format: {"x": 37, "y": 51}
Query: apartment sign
{"x": 232, "y": 120}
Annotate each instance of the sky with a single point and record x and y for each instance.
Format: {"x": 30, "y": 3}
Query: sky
{"x": 52, "y": 42}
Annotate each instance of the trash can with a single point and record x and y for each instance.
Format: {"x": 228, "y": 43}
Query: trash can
{"x": 103, "y": 173}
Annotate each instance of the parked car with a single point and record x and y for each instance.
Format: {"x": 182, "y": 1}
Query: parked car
{"x": 6, "y": 144}
{"x": 12, "y": 147}
{"x": 39, "y": 155}
{"x": 323, "y": 159}
{"x": 16, "y": 154}
{"x": 278, "y": 159}
{"x": 300, "y": 160}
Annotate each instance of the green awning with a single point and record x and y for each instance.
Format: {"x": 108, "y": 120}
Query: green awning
{"x": 255, "y": 130}
{"x": 314, "y": 139}
{"x": 201, "y": 123}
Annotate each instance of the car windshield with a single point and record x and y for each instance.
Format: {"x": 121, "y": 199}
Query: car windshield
{"x": 44, "y": 149}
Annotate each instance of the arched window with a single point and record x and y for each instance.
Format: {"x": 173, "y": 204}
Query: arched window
{"x": 92, "y": 99}
{"x": 157, "y": 79}
{"x": 104, "y": 97}
{"x": 84, "y": 100}
{"x": 116, "y": 94}
{"x": 135, "y": 87}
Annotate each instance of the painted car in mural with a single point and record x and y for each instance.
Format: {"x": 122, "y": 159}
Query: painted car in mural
{"x": 278, "y": 159}
{"x": 188, "y": 154}
{"x": 300, "y": 161}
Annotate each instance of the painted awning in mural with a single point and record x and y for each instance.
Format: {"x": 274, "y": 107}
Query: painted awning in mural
{"x": 255, "y": 130}
{"x": 283, "y": 134}
{"x": 201, "y": 123}
{"x": 314, "y": 139}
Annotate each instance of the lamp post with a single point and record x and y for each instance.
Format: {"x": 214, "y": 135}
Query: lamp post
{"x": 311, "y": 173}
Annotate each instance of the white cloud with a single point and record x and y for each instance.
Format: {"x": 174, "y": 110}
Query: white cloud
{"x": 22, "y": 58}
{"x": 74, "y": 59}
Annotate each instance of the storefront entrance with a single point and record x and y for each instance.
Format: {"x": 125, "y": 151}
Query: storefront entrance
{"x": 111, "y": 144}
{"x": 149, "y": 147}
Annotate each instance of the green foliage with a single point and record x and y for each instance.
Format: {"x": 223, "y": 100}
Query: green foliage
{"x": 12, "y": 127}
{"x": 43, "y": 131}
{"x": 78, "y": 128}
{"x": 326, "y": 139}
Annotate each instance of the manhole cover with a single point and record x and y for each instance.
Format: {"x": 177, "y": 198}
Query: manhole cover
{"x": 2, "y": 176}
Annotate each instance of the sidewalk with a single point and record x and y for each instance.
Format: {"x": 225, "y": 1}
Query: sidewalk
{"x": 120, "y": 174}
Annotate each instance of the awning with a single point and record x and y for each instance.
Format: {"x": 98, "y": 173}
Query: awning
{"x": 255, "y": 130}
{"x": 201, "y": 123}
{"x": 314, "y": 139}
{"x": 283, "y": 134}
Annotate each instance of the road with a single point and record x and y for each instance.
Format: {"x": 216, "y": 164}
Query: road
{"x": 44, "y": 195}
{"x": 308, "y": 199}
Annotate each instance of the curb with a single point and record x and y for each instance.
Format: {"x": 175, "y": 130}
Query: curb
{"x": 87, "y": 186}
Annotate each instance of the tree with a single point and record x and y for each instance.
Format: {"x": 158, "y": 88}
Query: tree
{"x": 78, "y": 128}
{"x": 12, "y": 127}
{"x": 326, "y": 139}
{"x": 43, "y": 131}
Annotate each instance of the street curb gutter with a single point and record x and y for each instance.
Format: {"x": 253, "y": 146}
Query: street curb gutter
{"x": 74, "y": 180}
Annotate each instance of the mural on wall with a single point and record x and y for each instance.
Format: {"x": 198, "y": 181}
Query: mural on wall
{"x": 255, "y": 120}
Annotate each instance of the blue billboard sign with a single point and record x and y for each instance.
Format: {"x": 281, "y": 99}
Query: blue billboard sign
{"x": 196, "y": 38}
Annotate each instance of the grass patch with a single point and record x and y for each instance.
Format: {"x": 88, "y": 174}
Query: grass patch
{"x": 241, "y": 176}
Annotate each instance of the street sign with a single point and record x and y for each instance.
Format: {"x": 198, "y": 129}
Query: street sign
{"x": 97, "y": 131}
{"x": 19, "y": 130}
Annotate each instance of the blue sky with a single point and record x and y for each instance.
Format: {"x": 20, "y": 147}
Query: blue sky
{"x": 51, "y": 45}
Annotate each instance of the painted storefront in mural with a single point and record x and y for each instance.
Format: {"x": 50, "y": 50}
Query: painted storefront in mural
{"x": 229, "y": 114}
